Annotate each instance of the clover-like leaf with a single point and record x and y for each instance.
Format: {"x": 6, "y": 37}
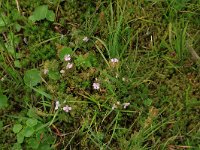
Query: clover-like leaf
{"x": 28, "y": 131}
{"x": 31, "y": 122}
{"x": 32, "y": 77}
{"x": 17, "y": 128}
{"x": 20, "y": 138}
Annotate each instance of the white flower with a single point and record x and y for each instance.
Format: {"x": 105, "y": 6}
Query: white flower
{"x": 114, "y": 106}
{"x": 85, "y": 39}
{"x": 96, "y": 86}
{"x": 69, "y": 66}
{"x": 126, "y": 105}
{"x": 46, "y": 71}
{"x": 57, "y": 105}
{"x": 67, "y": 108}
{"x": 62, "y": 71}
{"x": 67, "y": 57}
{"x": 114, "y": 60}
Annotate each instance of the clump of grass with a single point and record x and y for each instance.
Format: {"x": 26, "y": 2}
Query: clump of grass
{"x": 98, "y": 75}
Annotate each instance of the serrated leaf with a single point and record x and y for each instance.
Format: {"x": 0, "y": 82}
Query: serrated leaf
{"x": 32, "y": 77}
{"x": 3, "y": 101}
{"x": 17, "y": 128}
{"x": 64, "y": 51}
{"x": 31, "y": 122}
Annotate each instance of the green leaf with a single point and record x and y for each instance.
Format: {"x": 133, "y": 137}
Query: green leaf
{"x": 20, "y": 138}
{"x": 32, "y": 77}
{"x": 17, "y": 146}
{"x": 28, "y": 131}
{"x": 3, "y": 20}
{"x": 42, "y": 12}
{"x": 33, "y": 143}
{"x": 64, "y": 51}
{"x": 17, "y": 128}
{"x": 50, "y": 15}
{"x": 31, "y": 122}
{"x": 54, "y": 75}
{"x": 3, "y": 101}
{"x": 17, "y": 64}
{"x": 39, "y": 13}
{"x": 148, "y": 102}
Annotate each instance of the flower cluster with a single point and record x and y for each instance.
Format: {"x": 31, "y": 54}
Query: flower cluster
{"x": 69, "y": 65}
{"x": 67, "y": 57}
{"x": 65, "y": 108}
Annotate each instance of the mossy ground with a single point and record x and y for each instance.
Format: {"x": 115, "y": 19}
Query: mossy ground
{"x": 156, "y": 74}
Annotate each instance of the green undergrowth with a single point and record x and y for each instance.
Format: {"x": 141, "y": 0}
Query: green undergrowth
{"x": 99, "y": 74}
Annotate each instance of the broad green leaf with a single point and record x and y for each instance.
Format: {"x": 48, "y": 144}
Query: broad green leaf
{"x": 17, "y": 128}
{"x": 28, "y": 131}
{"x": 20, "y": 138}
{"x": 32, "y": 77}
{"x": 65, "y": 51}
{"x": 42, "y": 12}
{"x": 3, "y": 101}
{"x": 31, "y": 122}
{"x": 39, "y": 13}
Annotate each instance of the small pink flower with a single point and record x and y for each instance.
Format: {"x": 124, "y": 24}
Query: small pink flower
{"x": 69, "y": 65}
{"x": 67, "y": 57}
{"x": 85, "y": 39}
{"x": 96, "y": 86}
{"x": 126, "y": 105}
{"x": 46, "y": 71}
{"x": 114, "y": 60}
{"x": 57, "y": 105}
{"x": 67, "y": 108}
